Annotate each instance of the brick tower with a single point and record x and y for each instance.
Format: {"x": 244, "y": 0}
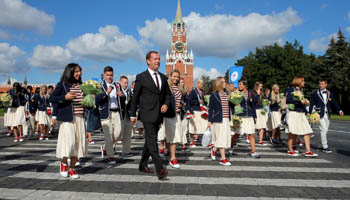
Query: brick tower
{"x": 179, "y": 57}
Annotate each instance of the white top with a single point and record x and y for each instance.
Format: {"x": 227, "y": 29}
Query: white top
{"x": 324, "y": 95}
{"x": 113, "y": 97}
{"x": 154, "y": 78}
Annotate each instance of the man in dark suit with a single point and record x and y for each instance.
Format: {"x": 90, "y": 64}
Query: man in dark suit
{"x": 152, "y": 87}
{"x": 321, "y": 102}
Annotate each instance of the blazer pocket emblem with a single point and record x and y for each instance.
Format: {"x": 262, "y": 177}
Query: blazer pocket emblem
{"x": 330, "y": 99}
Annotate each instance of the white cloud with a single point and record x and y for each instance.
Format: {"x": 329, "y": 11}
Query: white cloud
{"x": 213, "y": 73}
{"x": 348, "y": 29}
{"x": 10, "y": 58}
{"x": 50, "y": 58}
{"x": 321, "y": 44}
{"x": 107, "y": 45}
{"x": 18, "y": 15}
{"x": 224, "y": 35}
{"x": 348, "y": 15}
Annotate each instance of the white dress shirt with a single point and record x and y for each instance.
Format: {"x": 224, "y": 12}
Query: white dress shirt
{"x": 113, "y": 97}
{"x": 324, "y": 95}
{"x": 154, "y": 78}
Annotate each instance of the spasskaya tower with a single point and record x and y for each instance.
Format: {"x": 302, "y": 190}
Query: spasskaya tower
{"x": 179, "y": 57}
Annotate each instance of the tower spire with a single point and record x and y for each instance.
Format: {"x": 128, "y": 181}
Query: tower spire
{"x": 178, "y": 18}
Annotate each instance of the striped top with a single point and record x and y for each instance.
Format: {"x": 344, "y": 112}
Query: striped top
{"x": 77, "y": 107}
{"x": 225, "y": 106}
{"x": 177, "y": 94}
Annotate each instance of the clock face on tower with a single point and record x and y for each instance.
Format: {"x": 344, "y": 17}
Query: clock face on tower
{"x": 179, "y": 46}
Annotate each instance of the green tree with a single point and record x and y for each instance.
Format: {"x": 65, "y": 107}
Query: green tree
{"x": 275, "y": 64}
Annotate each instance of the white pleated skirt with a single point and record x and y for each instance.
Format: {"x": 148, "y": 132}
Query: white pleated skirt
{"x": 184, "y": 130}
{"x": 197, "y": 125}
{"x": 221, "y": 134}
{"x": 43, "y": 118}
{"x": 173, "y": 129}
{"x": 16, "y": 116}
{"x": 36, "y": 117}
{"x": 6, "y": 118}
{"x": 261, "y": 120}
{"x": 276, "y": 119}
{"x": 161, "y": 132}
{"x": 298, "y": 124}
{"x": 269, "y": 123}
{"x": 247, "y": 126}
{"x": 71, "y": 139}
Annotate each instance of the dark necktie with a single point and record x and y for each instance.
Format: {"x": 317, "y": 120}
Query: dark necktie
{"x": 324, "y": 92}
{"x": 155, "y": 74}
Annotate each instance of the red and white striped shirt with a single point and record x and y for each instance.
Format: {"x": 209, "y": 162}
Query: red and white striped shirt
{"x": 225, "y": 106}
{"x": 177, "y": 94}
{"x": 77, "y": 107}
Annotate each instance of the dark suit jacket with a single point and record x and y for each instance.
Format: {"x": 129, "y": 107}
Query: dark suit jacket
{"x": 317, "y": 103}
{"x": 152, "y": 97}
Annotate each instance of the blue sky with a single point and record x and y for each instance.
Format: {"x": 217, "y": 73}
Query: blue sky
{"x": 38, "y": 38}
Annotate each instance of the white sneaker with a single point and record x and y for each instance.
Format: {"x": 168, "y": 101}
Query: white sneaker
{"x": 64, "y": 170}
{"x": 254, "y": 155}
{"x": 73, "y": 174}
{"x": 174, "y": 164}
{"x": 213, "y": 154}
{"x": 15, "y": 140}
{"x": 21, "y": 139}
{"x": 225, "y": 162}
{"x": 293, "y": 153}
{"x": 77, "y": 164}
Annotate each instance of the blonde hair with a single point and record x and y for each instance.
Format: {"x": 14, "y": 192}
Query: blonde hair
{"x": 171, "y": 84}
{"x": 41, "y": 92}
{"x": 218, "y": 84}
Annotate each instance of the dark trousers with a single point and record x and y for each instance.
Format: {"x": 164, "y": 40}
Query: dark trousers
{"x": 151, "y": 146}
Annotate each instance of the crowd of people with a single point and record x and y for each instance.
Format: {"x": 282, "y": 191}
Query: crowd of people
{"x": 171, "y": 115}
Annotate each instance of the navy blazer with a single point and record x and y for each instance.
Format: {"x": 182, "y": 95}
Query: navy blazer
{"x": 317, "y": 103}
{"x": 63, "y": 109}
{"x": 274, "y": 107}
{"x": 171, "y": 112}
{"x": 32, "y": 105}
{"x": 193, "y": 102}
{"x": 248, "y": 105}
{"x": 17, "y": 99}
{"x": 215, "y": 108}
{"x": 42, "y": 103}
{"x": 298, "y": 106}
{"x": 102, "y": 103}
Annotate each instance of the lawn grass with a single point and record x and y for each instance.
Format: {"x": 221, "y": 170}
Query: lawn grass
{"x": 338, "y": 117}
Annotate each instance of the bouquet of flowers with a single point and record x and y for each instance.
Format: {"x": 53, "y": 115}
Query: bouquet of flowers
{"x": 281, "y": 95}
{"x": 207, "y": 99}
{"x": 290, "y": 106}
{"x": 297, "y": 95}
{"x": 265, "y": 103}
{"x": 235, "y": 97}
{"x": 314, "y": 118}
{"x": 90, "y": 89}
{"x": 6, "y": 99}
{"x": 236, "y": 122}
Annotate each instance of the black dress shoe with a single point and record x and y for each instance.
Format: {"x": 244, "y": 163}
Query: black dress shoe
{"x": 146, "y": 170}
{"x": 162, "y": 174}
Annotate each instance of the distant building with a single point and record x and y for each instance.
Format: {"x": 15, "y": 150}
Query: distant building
{"x": 179, "y": 57}
{"x": 4, "y": 87}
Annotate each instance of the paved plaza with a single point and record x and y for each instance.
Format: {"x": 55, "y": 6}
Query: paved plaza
{"x": 29, "y": 170}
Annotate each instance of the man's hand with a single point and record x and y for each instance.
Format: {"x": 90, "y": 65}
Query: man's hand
{"x": 201, "y": 101}
{"x": 109, "y": 90}
{"x": 341, "y": 113}
{"x": 133, "y": 120}
{"x": 120, "y": 93}
{"x": 70, "y": 96}
{"x": 164, "y": 108}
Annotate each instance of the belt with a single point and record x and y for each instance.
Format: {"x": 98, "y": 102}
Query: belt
{"x": 115, "y": 110}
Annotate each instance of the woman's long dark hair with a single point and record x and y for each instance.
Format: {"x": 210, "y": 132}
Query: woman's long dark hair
{"x": 68, "y": 74}
{"x": 17, "y": 87}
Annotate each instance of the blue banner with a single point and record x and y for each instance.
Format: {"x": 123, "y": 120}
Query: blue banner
{"x": 235, "y": 75}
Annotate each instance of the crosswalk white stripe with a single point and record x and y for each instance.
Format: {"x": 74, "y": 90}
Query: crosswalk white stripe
{"x": 233, "y": 167}
{"x": 268, "y": 160}
{"x": 192, "y": 153}
{"x": 188, "y": 180}
{"x": 45, "y": 194}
